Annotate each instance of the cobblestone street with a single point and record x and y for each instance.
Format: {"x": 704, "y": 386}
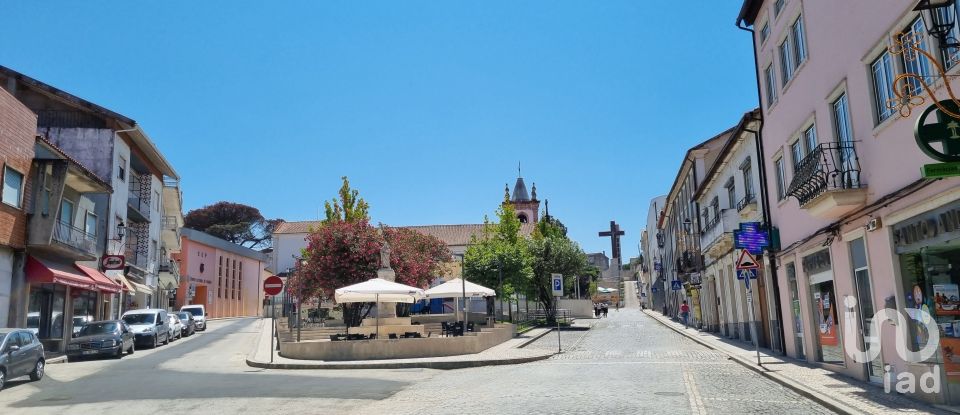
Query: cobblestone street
{"x": 627, "y": 363}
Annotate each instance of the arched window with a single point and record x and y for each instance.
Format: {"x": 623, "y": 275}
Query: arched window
{"x": 522, "y": 217}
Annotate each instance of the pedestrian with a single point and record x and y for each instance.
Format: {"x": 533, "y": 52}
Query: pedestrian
{"x": 605, "y": 310}
{"x": 596, "y": 310}
{"x": 684, "y": 313}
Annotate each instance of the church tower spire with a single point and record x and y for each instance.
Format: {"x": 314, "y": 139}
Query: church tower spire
{"x": 526, "y": 205}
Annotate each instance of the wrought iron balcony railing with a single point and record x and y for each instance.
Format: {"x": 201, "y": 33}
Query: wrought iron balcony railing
{"x": 830, "y": 166}
{"x": 711, "y": 222}
{"x": 746, "y": 201}
{"x": 689, "y": 261}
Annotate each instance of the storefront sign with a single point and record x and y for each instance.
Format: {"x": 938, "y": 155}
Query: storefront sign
{"x": 817, "y": 262}
{"x": 945, "y": 131}
{"x": 200, "y": 280}
{"x": 928, "y": 228}
{"x": 939, "y": 170}
{"x": 109, "y": 262}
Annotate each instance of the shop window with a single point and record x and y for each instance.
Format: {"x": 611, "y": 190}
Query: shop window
{"x": 795, "y": 309}
{"x": 861, "y": 275}
{"x": 45, "y": 310}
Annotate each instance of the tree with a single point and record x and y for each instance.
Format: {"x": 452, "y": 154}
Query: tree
{"x": 499, "y": 248}
{"x": 415, "y": 257}
{"x": 350, "y": 207}
{"x": 235, "y": 222}
{"x": 338, "y": 254}
{"x": 550, "y": 251}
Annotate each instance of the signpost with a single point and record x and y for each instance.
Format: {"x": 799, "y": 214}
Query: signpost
{"x": 557, "y": 285}
{"x": 272, "y": 286}
{"x": 109, "y": 262}
{"x": 747, "y": 270}
{"x": 676, "y": 285}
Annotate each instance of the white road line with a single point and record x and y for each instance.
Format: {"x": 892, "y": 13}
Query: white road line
{"x": 696, "y": 403}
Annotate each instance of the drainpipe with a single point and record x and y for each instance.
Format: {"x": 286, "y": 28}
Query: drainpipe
{"x": 761, "y": 163}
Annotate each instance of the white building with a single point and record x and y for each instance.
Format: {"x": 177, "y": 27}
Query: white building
{"x": 652, "y": 246}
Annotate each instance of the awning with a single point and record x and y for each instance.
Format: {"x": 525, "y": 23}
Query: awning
{"x": 48, "y": 272}
{"x": 122, "y": 279}
{"x": 104, "y": 283}
{"x": 140, "y": 288}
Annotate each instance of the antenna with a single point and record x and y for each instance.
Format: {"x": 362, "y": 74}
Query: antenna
{"x": 518, "y": 170}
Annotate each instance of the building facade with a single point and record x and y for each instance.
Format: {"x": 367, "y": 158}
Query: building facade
{"x": 651, "y": 243}
{"x": 861, "y": 229}
{"x": 225, "y": 277}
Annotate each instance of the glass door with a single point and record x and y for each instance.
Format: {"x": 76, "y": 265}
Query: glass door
{"x": 795, "y": 307}
{"x": 864, "y": 292}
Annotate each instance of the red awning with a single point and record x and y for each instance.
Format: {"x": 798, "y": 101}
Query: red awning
{"x": 42, "y": 271}
{"x": 103, "y": 282}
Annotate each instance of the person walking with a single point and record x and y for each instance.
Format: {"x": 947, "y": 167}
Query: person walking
{"x": 685, "y": 313}
{"x": 605, "y": 310}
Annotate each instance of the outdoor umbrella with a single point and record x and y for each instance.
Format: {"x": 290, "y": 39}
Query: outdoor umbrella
{"x": 457, "y": 288}
{"x": 377, "y": 290}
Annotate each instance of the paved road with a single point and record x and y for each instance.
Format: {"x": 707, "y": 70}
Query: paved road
{"x": 628, "y": 363}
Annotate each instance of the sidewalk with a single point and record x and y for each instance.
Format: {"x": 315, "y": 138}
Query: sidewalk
{"x": 837, "y": 392}
{"x": 507, "y": 353}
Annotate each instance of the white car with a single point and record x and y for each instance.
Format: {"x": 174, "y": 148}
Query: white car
{"x": 199, "y": 315}
{"x": 176, "y": 327}
{"x": 150, "y": 326}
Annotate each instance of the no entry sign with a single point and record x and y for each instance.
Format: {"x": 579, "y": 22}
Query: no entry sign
{"x": 272, "y": 285}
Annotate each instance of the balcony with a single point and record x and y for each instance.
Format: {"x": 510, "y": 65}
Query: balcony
{"x": 717, "y": 236}
{"x": 827, "y": 181}
{"x": 66, "y": 241}
{"x": 689, "y": 262}
{"x": 137, "y": 209}
{"x": 136, "y": 259}
{"x": 747, "y": 205}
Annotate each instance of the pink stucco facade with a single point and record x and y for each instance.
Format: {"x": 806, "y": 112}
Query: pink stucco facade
{"x": 842, "y": 40}
{"x": 226, "y": 282}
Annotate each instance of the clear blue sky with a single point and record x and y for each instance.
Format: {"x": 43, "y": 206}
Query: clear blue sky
{"x": 426, "y": 106}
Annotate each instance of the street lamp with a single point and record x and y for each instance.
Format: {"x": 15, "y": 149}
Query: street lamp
{"x": 687, "y": 225}
{"x": 121, "y": 230}
{"x": 939, "y": 20}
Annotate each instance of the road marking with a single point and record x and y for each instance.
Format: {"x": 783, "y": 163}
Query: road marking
{"x": 696, "y": 403}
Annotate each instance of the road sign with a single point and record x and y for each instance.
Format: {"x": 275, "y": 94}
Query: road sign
{"x": 557, "y": 285}
{"x": 746, "y": 261}
{"x": 273, "y": 285}
{"x": 747, "y": 273}
{"x": 676, "y": 285}
{"x": 654, "y": 289}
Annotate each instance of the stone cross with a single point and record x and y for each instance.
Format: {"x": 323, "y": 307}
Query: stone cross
{"x": 614, "y": 233}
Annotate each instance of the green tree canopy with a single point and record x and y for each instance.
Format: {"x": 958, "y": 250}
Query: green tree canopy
{"x": 349, "y": 207}
{"x": 234, "y": 222}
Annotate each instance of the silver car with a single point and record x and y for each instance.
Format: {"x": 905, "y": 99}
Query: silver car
{"x": 21, "y": 354}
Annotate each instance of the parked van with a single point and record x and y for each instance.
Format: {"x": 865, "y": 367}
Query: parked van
{"x": 150, "y": 326}
{"x": 199, "y": 313}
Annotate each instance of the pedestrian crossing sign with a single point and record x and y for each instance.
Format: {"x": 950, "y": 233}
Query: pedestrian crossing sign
{"x": 746, "y": 273}
{"x": 676, "y": 285}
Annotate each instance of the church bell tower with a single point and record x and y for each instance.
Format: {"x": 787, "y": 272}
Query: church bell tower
{"x": 525, "y": 204}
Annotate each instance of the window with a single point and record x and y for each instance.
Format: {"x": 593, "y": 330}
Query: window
{"x": 920, "y": 65}
{"x": 786, "y": 61}
{"x": 951, "y": 55}
{"x": 122, "y": 169}
{"x": 796, "y": 151}
{"x": 841, "y": 120}
{"x": 12, "y": 187}
{"x": 747, "y": 170}
{"x": 156, "y": 197}
{"x": 882, "y": 70}
{"x": 715, "y": 207}
{"x": 778, "y": 7}
{"x": 810, "y": 138}
{"x": 240, "y": 280}
{"x": 771, "y": 85}
{"x": 781, "y": 187}
{"x": 799, "y": 41}
{"x": 220, "y": 278}
{"x": 731, "y": 193}
{"x": 90, "y": 225}
{"x": 764, "y": 33}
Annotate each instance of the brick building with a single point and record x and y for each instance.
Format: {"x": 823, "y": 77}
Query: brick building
{"x": 17, "y": 136}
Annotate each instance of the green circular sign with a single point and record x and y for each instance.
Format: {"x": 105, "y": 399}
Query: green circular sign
{"x": 946, "y": 131}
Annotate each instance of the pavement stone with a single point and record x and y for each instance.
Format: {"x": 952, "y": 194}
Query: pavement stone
{"x": 843, "y": 394}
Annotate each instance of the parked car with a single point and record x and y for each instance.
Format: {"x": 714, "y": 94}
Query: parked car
{"x": 199, "y": 313}
{"x": 149, "y": 326}
{"x": 80, "y": 321}
{"x": 176, "y": 328}
{"x": 189, "y": 324}
{"x": 101, "y": 338}
{"x": 21, "y": 354}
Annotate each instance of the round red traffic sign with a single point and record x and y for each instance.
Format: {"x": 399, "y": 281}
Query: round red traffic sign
{"x": 272, "y": 285}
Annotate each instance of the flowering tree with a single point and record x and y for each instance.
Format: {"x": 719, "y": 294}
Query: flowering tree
{"x": 338, "y": 254}
{"x": 415, "y": 257}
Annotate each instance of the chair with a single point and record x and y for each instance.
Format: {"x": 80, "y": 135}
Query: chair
{"x": 471, "y": 327}
{"x": 334, "y": 337}
{"x": 445, "y": 328}
{"x": 411, "y": 334}
{"x": 354, "y": 337}
{"x": 373, "y": 336}
{"x": 393, "y": 335}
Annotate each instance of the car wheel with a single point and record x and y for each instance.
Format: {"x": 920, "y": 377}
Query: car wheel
{"x": 156, "y": 340}
{"x": 3, "y": 378}
{"x": 119, "y": 352}
{"x": 167, "y": 339}
{"x": 132, "y": 346}
{"x": 37, "y": 373}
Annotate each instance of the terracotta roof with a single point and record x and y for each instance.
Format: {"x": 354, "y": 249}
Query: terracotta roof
{"x": 452, "y": 235}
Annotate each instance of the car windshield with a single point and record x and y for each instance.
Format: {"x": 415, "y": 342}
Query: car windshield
{"x": 33, "y": 322}
{"x": 98, "y": 328}
{"x": 138, "y": 319}
{"x": 184, "y": 316}
{"x": 79, "y": 321}
{"x": 196, "y": 311}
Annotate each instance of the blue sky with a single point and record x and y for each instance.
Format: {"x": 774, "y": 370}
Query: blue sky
{"x": 426, "y": 106}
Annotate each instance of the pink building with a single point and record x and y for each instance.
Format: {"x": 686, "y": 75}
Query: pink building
{"x": 226, "y": 278}
{"x": 857, "y": 220}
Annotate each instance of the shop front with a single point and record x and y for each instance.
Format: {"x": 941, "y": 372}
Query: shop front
{"x": 62, "y": 297}
{"x": 828, "y": 347}
{"x": 927, "y": 247}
